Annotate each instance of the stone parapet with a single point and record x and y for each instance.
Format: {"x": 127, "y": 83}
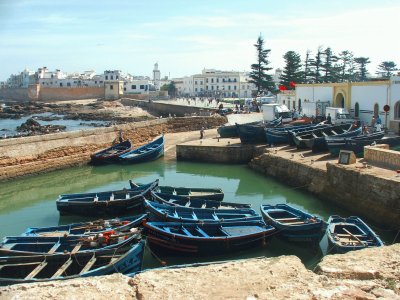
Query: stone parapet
{"x": 382, "y": 156}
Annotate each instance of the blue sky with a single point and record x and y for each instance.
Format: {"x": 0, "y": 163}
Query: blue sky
{"x": 185, "y": 36}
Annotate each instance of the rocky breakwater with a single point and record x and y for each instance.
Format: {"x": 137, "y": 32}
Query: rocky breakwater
{"x": 366, "y": 274}
{"x": 36, "y": 154}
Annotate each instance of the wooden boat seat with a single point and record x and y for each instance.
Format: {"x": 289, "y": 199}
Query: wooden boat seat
{"x": 167, "y": 229}
{"x": 186, "y": 231}
{"x": 201, "y": 231}
{"x": 89, "y": 264}
{"x": 36, "y": 271}
{"x": 62, "y": 268}
{"x": 194, "y": 216}
{"x": 286, "y": 219}
{"x": 76, "y": 248}
{"x": 324, "y": 134}
{"x": 295, "y": 223}
{"x": 334, "y": 132}
{"x": 54, "y": 248}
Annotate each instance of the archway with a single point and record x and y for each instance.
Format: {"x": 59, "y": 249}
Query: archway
{"x": 357, "y": 110}
{"x": 339, "y": 100}
{"x": 397, "y": 110}
{"x": 376, "y": 110}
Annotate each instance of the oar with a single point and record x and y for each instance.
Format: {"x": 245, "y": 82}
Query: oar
{"x": 353, "y": 236}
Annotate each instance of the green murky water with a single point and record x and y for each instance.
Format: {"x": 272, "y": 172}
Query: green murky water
{"x": 30, "y": 202}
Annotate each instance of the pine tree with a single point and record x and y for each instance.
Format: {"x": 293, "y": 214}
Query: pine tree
{"x": 258, "y": 75}
{"x": 308, "y": 72}
{"x": 345, "y": 66}
{"x": 327, "y": 67}
{"x": 317, "y": 66}
{"x": 292, "y": 70}
{"x": 386, "y": 69}
{"x": 361, "y": 73}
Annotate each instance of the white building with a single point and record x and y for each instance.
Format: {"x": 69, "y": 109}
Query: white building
{"x": 363, "y": 99}
{"x": 215, "y": 83}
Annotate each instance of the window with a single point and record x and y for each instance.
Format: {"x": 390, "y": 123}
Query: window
{"x": 195, "y": 82}
{"x": 212, "y": 87}
{"x": 357, "y": 110}
{"x": 106, "y": 77}
{"x": 217, "y": 87}
{"x": 217, "y": 80}
{"x": 61, "y": 84}
{"x": 207, "y": 87}
{"x": 133, "y": 86}
{"x": 294, "y": 104}
{"x": 229, "y": 87}
{"x": 206, "y": 80}
{"x": 195, "y": 89}
{"x": 111, "y": 87}
{"x": 116, "y": 77}
{"x": 234, "y": 87}
{"x": 95, "y": 82}
{"x": 201, "y": 82}
{"x": 125, "y": 89}
{"x": 68, "y": 83}
{"x": 212, "y": 80}
{"x": 142, "y": 86}
{"x": 111, "y": 77}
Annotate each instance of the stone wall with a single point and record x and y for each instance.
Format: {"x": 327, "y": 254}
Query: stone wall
{"x": 367, "y": 195}
{"x": 235, "y": 154}
{"x": 381, "y": 155}
{"x": 69, "y": 93}
{"x": 20, "y": 94}
{"x": 165, "y": 109}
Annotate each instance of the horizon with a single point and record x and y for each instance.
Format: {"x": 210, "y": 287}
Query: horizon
{"x": 184, "y": 39}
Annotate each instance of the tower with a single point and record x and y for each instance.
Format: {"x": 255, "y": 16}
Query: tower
{"x": 156, "y": 73}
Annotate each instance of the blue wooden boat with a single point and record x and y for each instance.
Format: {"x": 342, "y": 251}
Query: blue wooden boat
{"x": 104, "y": 203}
{"x": 88, "y": 228}
{"x": 188, "y": 192}
{"x": 357, "y": 144}
{"x": 207, "y": 238}
{"x": 255, "y": 134}
{"x": 123, "y": 193}
{"x": 230, "y": 131}
{"x": 279, "y": 135}
{"x": 346, "y": 234}
{"x": 175, "y": 200}
{"x": 319, "y": 144}
{"x": 33, "y": 245}
{"x": 167, "y": 213}
{"x": 111, "y": 154}
{"x": 38, "y": 268}
{"x": 148, "y": 152}
{"x": 292, "y": 223}
{"x": 307, "y": 139}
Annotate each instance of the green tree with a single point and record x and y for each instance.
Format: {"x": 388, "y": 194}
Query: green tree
{"x": 345, "y": 66}
{"x": 317, "y": 66}
{"x": 292, "y": 71}
{"x": 386, "y": 69}
{"x": 361, "y": 72}
{"x": 308, "y": 71}
{"x": 171, "y": 88}
{"x": 258, "y": 75}
{"x": 328, "y": 66}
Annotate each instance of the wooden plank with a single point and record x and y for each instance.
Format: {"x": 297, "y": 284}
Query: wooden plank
{"x": 294, "y": 223}
{"x": 202, "y": 232}
{"x": 76, "y": 248}
{"x": 62, "y": 268}
{"x": 287, "y": 219}
{"x": 353, "y": 236}
{"x": 186, "y": 231}
{"x": 36, "y": 271}
{"x": 54, "y": 248}
{"x": 89, "y": 264}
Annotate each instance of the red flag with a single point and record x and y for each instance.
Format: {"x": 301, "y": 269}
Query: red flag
{"x": 292, "y": 84}
{"x": 282, "y": 88}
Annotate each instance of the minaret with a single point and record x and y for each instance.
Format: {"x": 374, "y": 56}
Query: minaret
{"x": 156, "y": 73}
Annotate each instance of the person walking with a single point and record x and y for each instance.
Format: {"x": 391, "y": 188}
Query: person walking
{"x": 329, "y": 119}
{"x": 201, "y": 132}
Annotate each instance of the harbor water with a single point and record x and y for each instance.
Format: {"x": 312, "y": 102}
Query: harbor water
{"x": 30, "y": 201}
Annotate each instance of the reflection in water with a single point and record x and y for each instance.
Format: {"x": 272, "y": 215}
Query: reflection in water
{"x": 30, "y": 202}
